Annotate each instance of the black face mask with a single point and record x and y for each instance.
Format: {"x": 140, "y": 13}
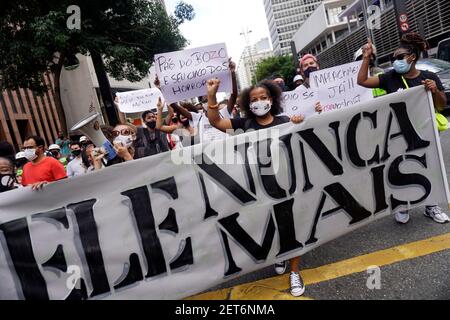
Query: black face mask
{"x": 310, "y": 70}
{"x": 76, "y": 153}
{"x": 151, "y": 124}
{"x": 54, "y": 154}
{"x": 6, "y": 182}
{"x": 185, "y": 122}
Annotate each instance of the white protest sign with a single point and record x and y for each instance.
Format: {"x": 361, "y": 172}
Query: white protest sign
{"x": 301, "y": 101}
{"x": 139, "y": 100}
{"x": 181, "y": 222}
{"x": 184, "y": 74}
{"x": 338, "y": 86}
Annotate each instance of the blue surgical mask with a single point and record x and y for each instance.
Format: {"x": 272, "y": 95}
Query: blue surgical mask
{"x": 402, "y": 66}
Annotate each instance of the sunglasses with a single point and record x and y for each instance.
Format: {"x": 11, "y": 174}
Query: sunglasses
{"x": 402, "y": 56}
{"x": 124, "y": 132}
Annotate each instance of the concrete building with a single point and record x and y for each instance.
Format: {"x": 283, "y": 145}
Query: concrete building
{"x": 284, "y": 17}
{"x": 249, "y": 59}
{"x": 323, "y": 27}
{"x": 350, "y": 29}
{"x": 24, "y": 113}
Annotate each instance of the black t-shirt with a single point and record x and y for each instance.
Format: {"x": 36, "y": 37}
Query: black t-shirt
{"x": 392, "y": 81}
{"x": 246, "y": 124}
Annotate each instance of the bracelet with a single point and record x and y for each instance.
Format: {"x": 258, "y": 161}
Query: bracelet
{"x": 216, "y": 106}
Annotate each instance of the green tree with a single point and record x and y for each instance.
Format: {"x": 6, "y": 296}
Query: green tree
{"x": 36, "y": 37}
{"x": 282, "y": 65}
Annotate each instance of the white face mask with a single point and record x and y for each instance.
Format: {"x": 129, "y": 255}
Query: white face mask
{"x": 261, "y": 108}
{"x": 30, "y": 154}
{"x": 126, "y": 141}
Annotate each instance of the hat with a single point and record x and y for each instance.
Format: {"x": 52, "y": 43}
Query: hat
{"x": 83, "y": 139}
{"x": 20, "y": 155}
{"x": 54, "y": 147}
{"x": 297, "y": 78}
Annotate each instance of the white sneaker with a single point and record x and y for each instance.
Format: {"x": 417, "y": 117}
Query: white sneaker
{"x": 436, "y": 214}
{"x": 297, "y": 285}
{"x": 402, "y": 217}
{"x": 280, "y": 268}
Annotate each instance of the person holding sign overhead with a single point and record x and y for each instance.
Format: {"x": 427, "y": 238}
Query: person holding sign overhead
{"x": 262, "y": 106}
{"x": 200, "y": 121}
{"x": 402, "y": 77}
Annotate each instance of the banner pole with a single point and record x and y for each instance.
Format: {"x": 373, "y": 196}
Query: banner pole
{"x": 439, "y": 146}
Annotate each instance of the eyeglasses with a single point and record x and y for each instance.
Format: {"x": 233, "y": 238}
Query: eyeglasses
{"x": 124, "y": 132}
{"x": 29, "y": 147}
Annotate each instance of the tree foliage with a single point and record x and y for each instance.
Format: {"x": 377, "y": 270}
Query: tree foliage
{"x": 279, "y": 65}
{"x": 35, "y": 37}
{"x": 126, "y": 33}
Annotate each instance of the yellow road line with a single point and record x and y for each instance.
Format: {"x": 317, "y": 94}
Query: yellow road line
{"x": 276, "y": 288}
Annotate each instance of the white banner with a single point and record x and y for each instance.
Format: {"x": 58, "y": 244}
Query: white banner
{"x": 338, "y": 86}
{"x": 301, "y": 101}
{"x": 176, "y": 224}
{"x": 183, "y": 74}
{"x": 139, "y": 100}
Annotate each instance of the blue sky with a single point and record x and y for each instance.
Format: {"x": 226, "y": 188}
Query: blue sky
{"x": 219, "y": 21}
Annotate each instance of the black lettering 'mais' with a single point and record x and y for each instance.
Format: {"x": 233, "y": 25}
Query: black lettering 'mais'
{"x": 407, "y": 130}
{"x": 322, "y": 151}
{"x": 269, "y": 181}
{"x": 222, "y": 178}
{"x": 352, "y": 146}
{"x": 87, "y": 227}
{"x": 145, "y": 223}
{"x": 345, "y": 201}
{"x": 18, "y": 240}
{"x": 285, "y": 224}
{"x": 185, "y": 256}
{"x": 398, "y": 179}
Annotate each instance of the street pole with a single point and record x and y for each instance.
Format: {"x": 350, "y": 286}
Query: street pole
{"x": 250, "y": 54}
{"x": 105, "y": 89}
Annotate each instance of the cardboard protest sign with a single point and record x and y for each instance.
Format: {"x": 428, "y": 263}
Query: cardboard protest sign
{"x": 338, "y": 87}
{"x": 139, "y": 100}
{"x": 184, "y": 74}
{"x": 301, "y": 101}
{"x": 181, "y": 222}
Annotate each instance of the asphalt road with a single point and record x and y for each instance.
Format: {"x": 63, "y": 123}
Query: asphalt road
{"x": 426, "y": 277}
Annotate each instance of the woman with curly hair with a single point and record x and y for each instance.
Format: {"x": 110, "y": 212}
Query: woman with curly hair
{"x": 402, "y": 77}
{"x": 262, "y": 106}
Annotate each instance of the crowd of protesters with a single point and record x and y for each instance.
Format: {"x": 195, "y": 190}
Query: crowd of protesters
{"x": 257, "y": 107}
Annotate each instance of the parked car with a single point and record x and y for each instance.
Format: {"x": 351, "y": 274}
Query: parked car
{"x": 441, "y": 68}
{"x": 443, "y": 50}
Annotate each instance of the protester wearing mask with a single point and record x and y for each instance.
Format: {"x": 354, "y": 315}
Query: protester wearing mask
{"x": 281, "y": 83}
{"x": 55, "y": 152}
{"x": 63, "y": 143}
{"x": 374, "y": 70}
{"x": 41, "y": 169}
{"x": 404, "y": 76}
{"x": 199, "y": 120}
{"x": 20, "y": 162}
{"x": 262, "y": 105}
{"x": 76, "y": 167}
{"x": 298, "y": 81}
{"x": 308, "y": 65}
{"x": 149, "y": 140}
{"x": 124, "y": 137}
{"x": 180, "y": 128}
{"x": 8, "y": 180}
